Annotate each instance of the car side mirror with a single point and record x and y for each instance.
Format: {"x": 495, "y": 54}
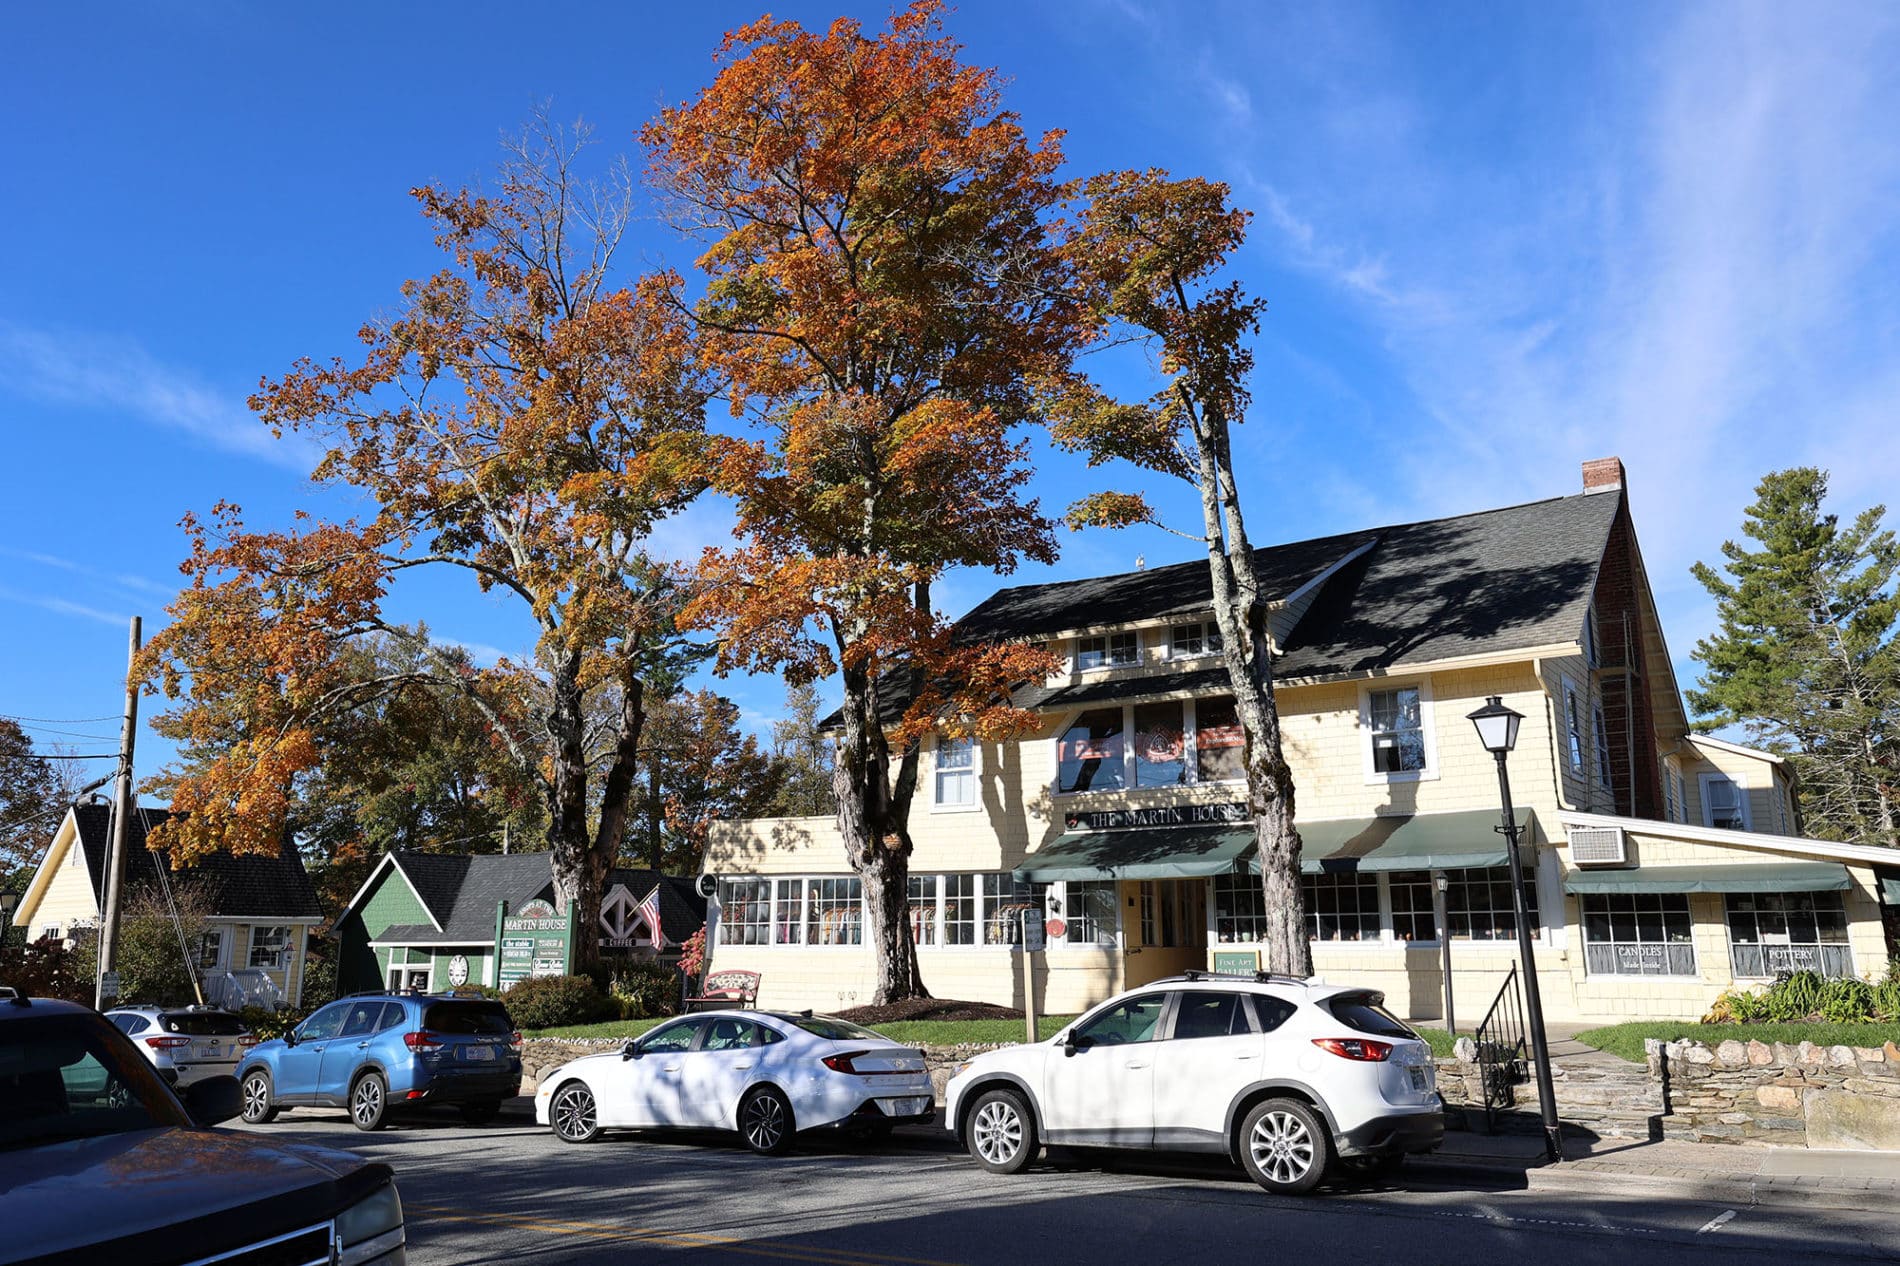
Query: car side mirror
{"x": 1075, "y": 1042}
{"x": 630, "y": 1051}
{"x": 290, "y": 1037}
{"x": 213, "y": 1100}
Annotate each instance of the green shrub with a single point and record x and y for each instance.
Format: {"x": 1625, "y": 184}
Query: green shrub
{"x": 1847, "y": 1002}
{"x": 267, "y": 1024}
{"x": 1794, "y": 997}
{"x": 645, "y": 987}
{"x": 545, "y": 1002}
{"x": 1887, "y": 995}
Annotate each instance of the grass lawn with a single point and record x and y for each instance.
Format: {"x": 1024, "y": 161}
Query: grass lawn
{"x": 1626, "y": 1040}
{"x": 944, "y": 1032}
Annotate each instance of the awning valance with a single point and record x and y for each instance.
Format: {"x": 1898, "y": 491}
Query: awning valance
{"x": 1714, "y": 877}
{"x": 1418, "y": 841}
{"x": 1889, "y": 888}
{"x": 1162, "y": 852}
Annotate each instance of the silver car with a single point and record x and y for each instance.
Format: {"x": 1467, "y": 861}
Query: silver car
{"x": 186, "y": 1044}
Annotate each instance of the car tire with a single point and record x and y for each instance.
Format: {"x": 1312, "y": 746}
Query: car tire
{"x": 1000, "y": 1133}
{"x": 481, "y": 1112}
{"x": 369, "y": 1102}
{"x": 572, "y": 1114}
{"x": 765, "y": 1121}
{"x": 1285, "y": 1146}
{"x": 259, "y": 1106}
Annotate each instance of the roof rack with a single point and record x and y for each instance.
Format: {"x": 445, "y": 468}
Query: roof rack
{"x": 1258, "y": 977}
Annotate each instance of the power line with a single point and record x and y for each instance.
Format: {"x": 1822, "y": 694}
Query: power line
{"x": 8, "y": 716}
{"x": 62, "y": 756}
{"x": 47, "y": 729}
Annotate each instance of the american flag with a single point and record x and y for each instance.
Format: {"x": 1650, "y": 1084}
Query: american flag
{"x": 649, "y": 910}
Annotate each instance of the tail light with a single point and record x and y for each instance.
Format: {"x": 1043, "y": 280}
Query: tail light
{"x": 422, "y": 1041}
{"x": 167, "y": 1043}
{"x": 846, "y": 1063}
{"x": 841, "y": 1063}
{"x": 248, "y": 1039}
{"x": 1363, "y": 1049}
{"x": 514, "y": 1039}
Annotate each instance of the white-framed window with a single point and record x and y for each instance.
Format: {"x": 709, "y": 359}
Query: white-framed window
{"x": 1413, "y": 918}
{"x": 1190, "y": 641}
{"x": 1478, "y": 904}
{"x": 1397, "y": 721}
{"x": 1089, "y": 753}
{"x": 1091, "y": 911}
{"x": 1007, "y": 900}
{"x": 961, "y": 899}
{"x": 1573, "y": 729}
{"x": 1220, "y": 745}
{"x": 50, "y": 932}
{"x": 1638, "y": 934}
{"x": 834, "y": 911}
{"x": 1771, "y": 933}
{"x": 1161, "y": 738}
{"x": 211, "y": 949}
{"x": 1240, "y": 908}
{"x": 926, "y": 909}
{"x": 1603, "y": 747}
{"x": 404, "y": 976}
{"x": 787, "y": 914}
{"x": 1341, "y": 906}
{"x": 956, "y": 773}
{"x": 745, "y": 911}
{"x": 1724, "y": 803}
{"x": 270, "y": 947}
{"x": 1113, "y": 650}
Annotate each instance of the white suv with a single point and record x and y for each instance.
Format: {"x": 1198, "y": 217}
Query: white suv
{"x": 1283, "y": 1075}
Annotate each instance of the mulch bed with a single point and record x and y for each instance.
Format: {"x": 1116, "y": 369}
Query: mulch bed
{"x": 928, "y": 1009}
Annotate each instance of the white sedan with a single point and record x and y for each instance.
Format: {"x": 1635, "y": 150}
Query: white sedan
{"x": 766, "y": 1074}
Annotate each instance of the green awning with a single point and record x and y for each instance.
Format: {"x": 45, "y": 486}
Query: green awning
{"x": 1889, "y": 888}
{"x": 1419, "y": 841}
{"x": 1162, "y": 852}
{"x": 1714, "y": 877}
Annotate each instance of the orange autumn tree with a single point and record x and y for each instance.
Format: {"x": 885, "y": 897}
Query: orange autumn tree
{"x": 1148, "y": 251}
{"x": 881, "y": 294}
{"x": 521, "y": 421}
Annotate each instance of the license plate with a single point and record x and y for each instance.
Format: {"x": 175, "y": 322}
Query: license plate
{"x": 905, "y": 1107}
{"x": 1418, "y": 1078}
{"x": 478, "y": 1052}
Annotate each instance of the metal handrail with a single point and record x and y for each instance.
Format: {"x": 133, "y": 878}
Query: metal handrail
{"x": 1501, "y": 1039}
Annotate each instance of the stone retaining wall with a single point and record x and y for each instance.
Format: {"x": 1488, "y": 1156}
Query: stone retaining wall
{"x": 1800, "y": 1096}
{"x": 1609, "y": 1099}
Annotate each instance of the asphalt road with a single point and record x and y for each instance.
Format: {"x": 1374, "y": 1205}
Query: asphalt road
{"x": 511, "y": 1192}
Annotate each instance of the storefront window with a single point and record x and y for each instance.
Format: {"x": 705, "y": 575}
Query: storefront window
{"x": 1341, "y": 907}
{"x": 1412, "y": 916}
{"x": 1089, "y": 753}
{"x": 1006, "y": 900}
{"x": 1219, "y": 744}
{"x": 745, "y": 911}
{"x": 834, "y": 912}
{"x": 923, "y": 909}
{"x": 1478, "y": 904}
{"x": 1638, "y": 934}
{"x": 959, "y": 909}
{"x": 788, "y": 919}
{"x": 1160, "y": 745}
{"x": 1240, "y": 909}
{"x": 1089, "y": 909}
{"x": 1772, "y": 933}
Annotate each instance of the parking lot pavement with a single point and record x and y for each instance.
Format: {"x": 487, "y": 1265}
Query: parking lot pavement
{"x": 512, "y": 1192}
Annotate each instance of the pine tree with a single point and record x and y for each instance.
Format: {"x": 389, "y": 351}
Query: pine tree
{"x": 1807, "y": 659}
{"x": 803, "y": 757}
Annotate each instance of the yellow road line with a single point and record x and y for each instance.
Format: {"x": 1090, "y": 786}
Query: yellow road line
{"x": 675, "y": 1239}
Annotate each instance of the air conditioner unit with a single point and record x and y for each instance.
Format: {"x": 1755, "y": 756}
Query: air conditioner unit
{"x": 1598, "y": 846}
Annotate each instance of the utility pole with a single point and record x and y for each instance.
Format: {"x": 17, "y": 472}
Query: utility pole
{"x": 121, "y": 826}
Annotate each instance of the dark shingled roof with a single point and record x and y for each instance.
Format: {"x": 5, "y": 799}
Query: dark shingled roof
{"x": 1498, "y": 580}
{"x": 462, "y": 890}
{"x": 248, "y": 887}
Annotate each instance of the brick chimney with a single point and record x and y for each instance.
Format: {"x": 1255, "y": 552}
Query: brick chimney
{"x": 1605, "y": 474}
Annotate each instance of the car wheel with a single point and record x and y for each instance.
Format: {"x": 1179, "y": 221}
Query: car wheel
{"x": 572, "y": 1115}
{"x": 765, "y": 1121}
{"x": 481, "y": 1113}
{"x": 257, "y": 1099}
{"x": 1001, "y": 1135}
{"x": 369, "y": 1102}
{"x": 1285, "y": 1146}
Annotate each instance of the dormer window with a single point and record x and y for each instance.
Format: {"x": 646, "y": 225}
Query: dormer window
{"x": 1187, "y": 641}
{"x": 1102, "y": 652}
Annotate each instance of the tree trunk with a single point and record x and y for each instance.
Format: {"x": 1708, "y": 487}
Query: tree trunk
{"x": 581, "y": 864}
{"x": 1240, "y": 613}
{"x": 873, "y": 821}
{"x": 654, "y": 815}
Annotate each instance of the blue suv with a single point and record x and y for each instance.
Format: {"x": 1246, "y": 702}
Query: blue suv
{"x": 378, "y": 1053}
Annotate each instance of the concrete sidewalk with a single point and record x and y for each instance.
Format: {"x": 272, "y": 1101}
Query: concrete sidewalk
{"x": 1717, "y": 1173}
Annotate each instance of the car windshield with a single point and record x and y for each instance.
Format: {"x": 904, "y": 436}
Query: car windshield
{"x": 833, "y": 1029}
{"x": 201, "y": 1023}
{"x": 473, "y": 1019}
{"x": 75, "y": 1076}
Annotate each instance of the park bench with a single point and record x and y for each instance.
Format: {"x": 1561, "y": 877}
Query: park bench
{"x": 727, "y": 989}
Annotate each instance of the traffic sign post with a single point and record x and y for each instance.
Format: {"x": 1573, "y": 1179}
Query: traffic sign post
{"x": 1033, "y": 943}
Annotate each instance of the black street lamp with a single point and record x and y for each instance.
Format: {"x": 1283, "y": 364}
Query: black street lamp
{"x": 9, "y": 902}
{"x": 1497, "y": 730}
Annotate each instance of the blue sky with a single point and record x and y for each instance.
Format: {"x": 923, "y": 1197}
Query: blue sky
{"x": 1496, "y": 241}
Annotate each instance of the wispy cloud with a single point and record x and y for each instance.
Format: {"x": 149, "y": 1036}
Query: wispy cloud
{"x": 103, "y": 373}
{"x": 61, "y": 606}
{"x": 124, "y": 580}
